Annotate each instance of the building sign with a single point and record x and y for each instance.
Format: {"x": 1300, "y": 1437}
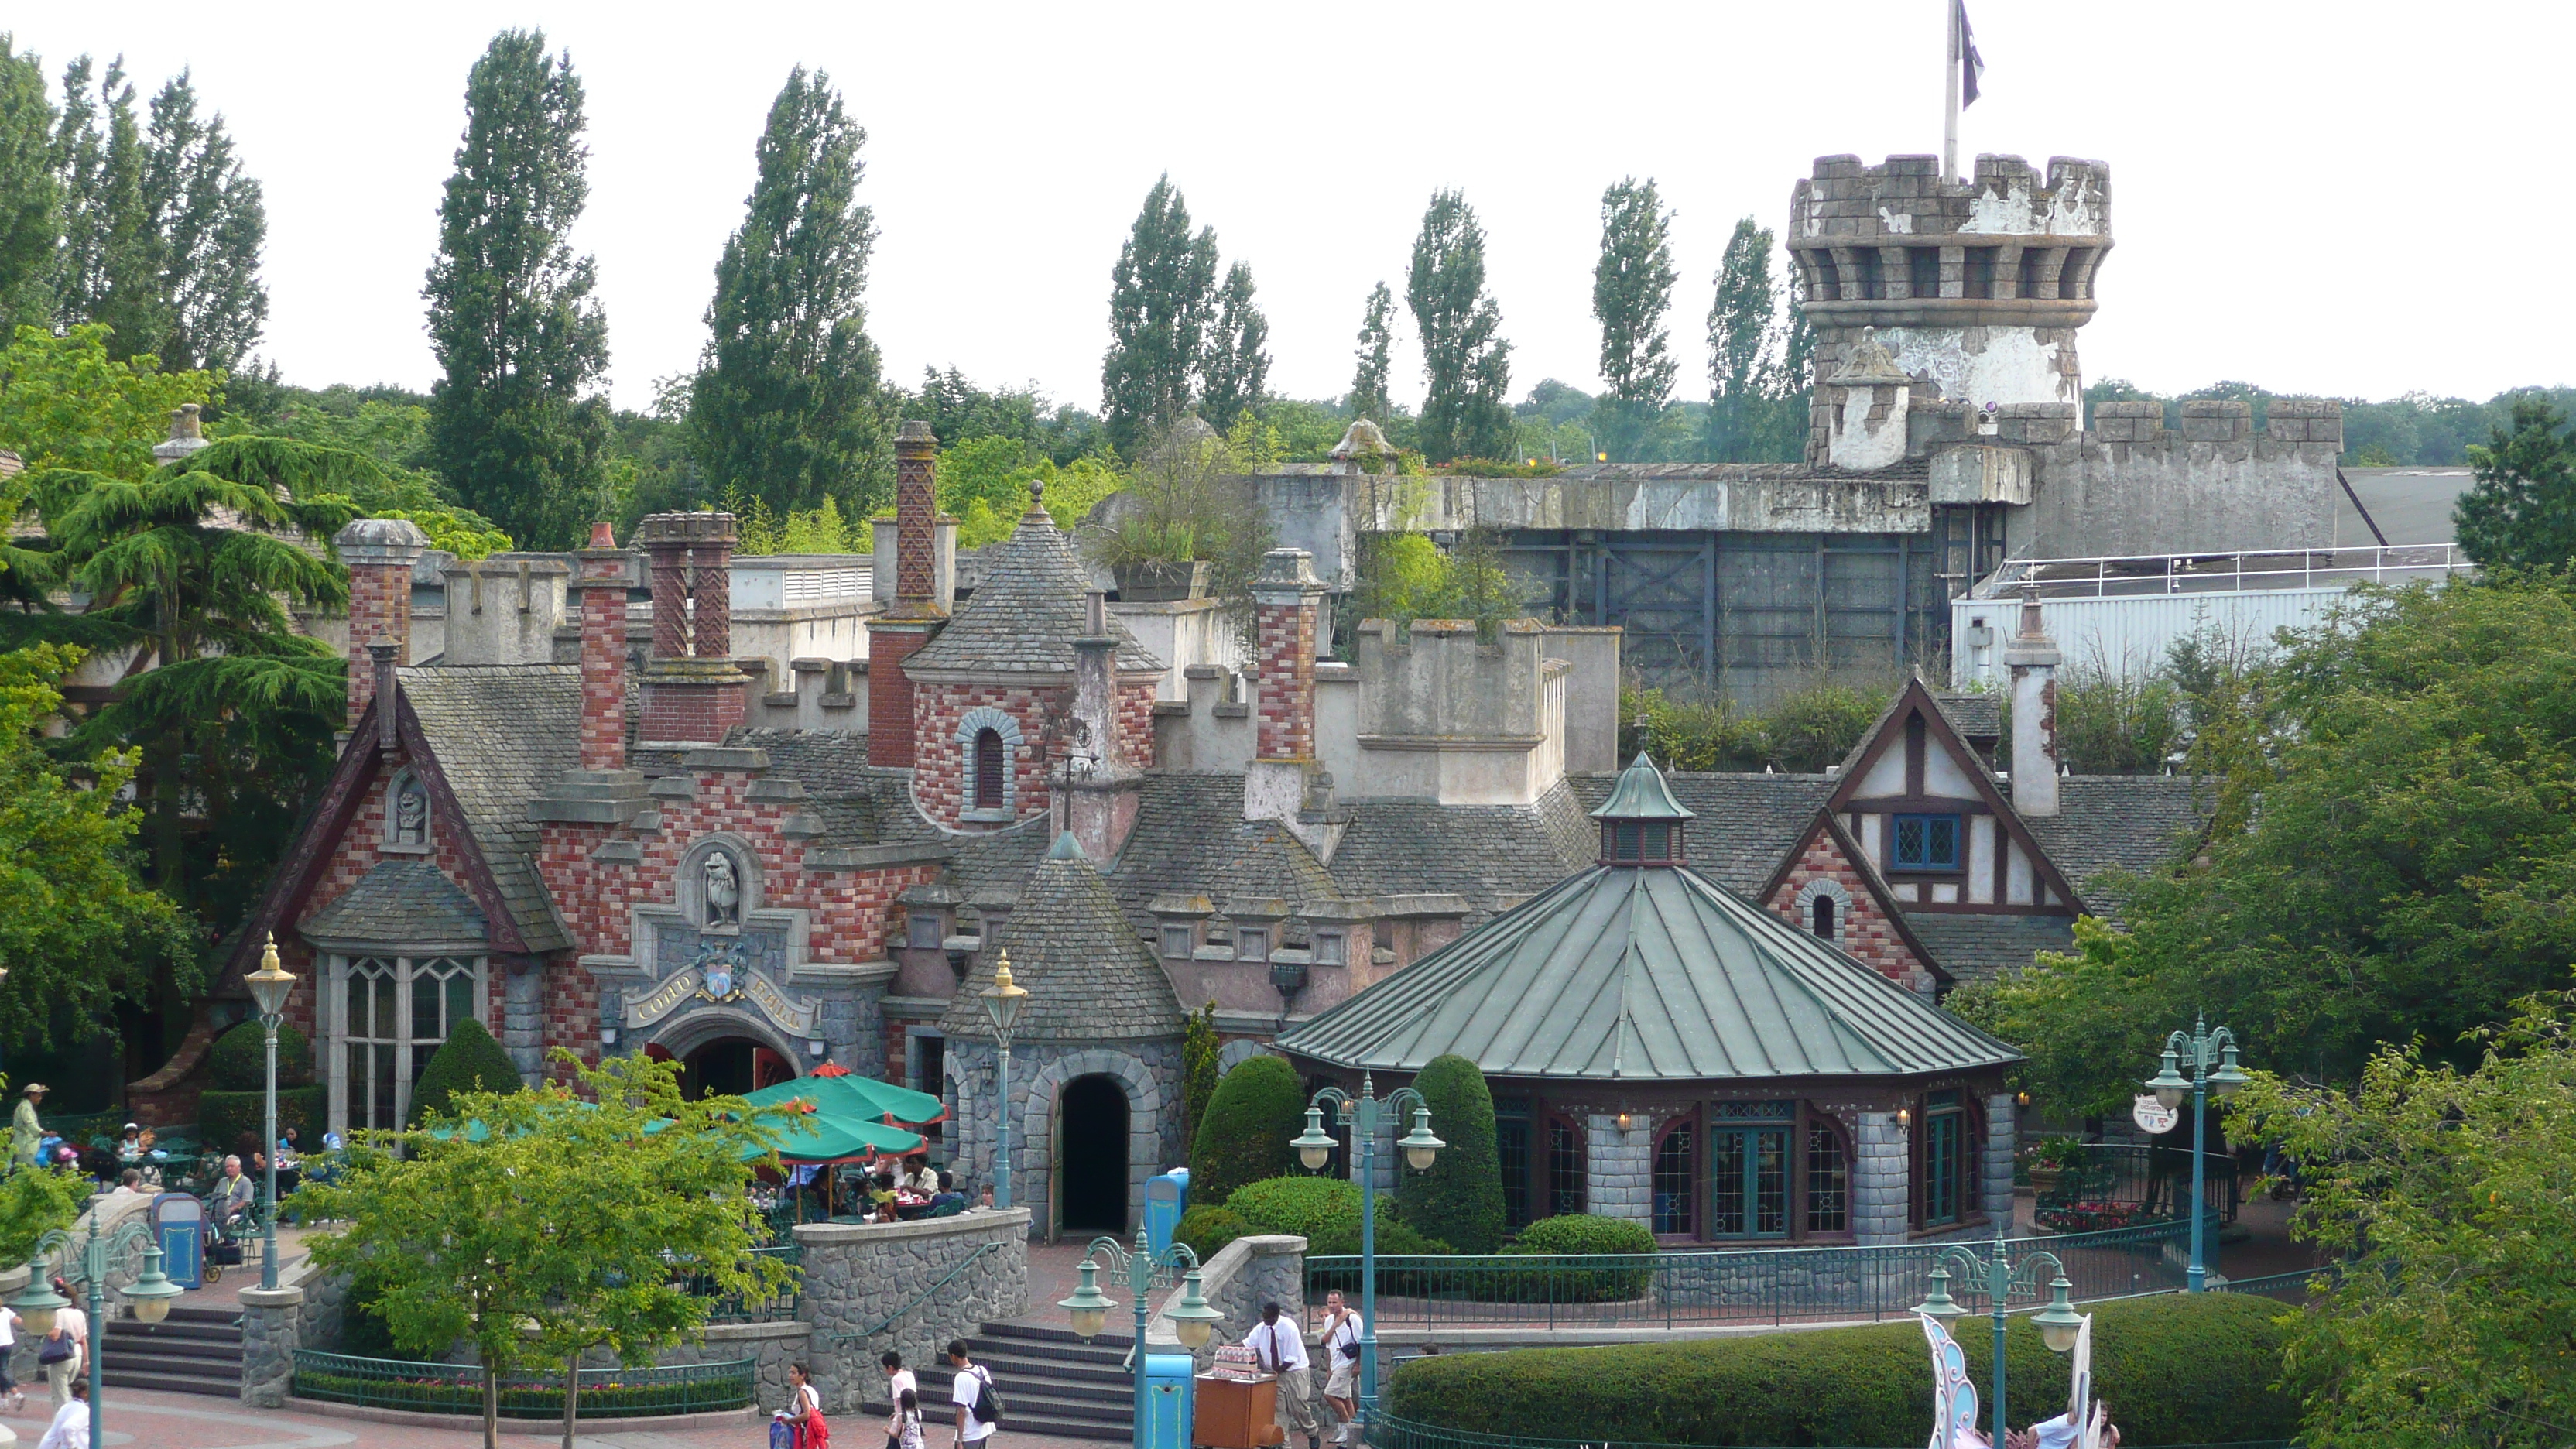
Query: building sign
{"x": 722, "y": 971}
{"x": 665, "y": 999}
{"x": 2153, "y": 1116}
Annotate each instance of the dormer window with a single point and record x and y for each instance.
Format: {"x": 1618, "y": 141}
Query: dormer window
{"x": 1641, "y": 843}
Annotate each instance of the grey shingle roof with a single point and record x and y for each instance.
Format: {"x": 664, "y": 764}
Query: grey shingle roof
{"x": 399, "y": 901}
{"x": 1974, "y": 715}
{"x": 1026, "y": 612}
{"x": 1746, "y": 822}
{"x": 1652, "y": 974}
{"x": 1494, "y": 855}
{"x": 1979, "y": 947}
{"x": 502, "y": 734}
{"x": 2134, "y": 823}
{"x": 1088, "y": 977}
{"x": 1191, "y": 839}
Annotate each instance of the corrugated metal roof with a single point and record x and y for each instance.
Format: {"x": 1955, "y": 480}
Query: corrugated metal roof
{"x": 1644, "y": 974}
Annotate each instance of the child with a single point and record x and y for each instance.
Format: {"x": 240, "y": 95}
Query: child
{"x": 903, "y": 1431}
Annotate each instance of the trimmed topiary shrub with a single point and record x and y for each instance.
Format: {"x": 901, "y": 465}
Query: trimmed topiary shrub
{"x": 468, "y": 1061}
{"x": 1258, "y": 1106}
{"x": 224, "y": 1118}
{"x": 1208, "y": 1229}
{"x": 2176, "y": 1369}
{"x": 1582, "y": 1233}
{"x": 238, "y": 1061}
{"x": 1460, "y": 1200}
{"x": 1325, "y": 1211}
{"x": 1579, "y": 1235}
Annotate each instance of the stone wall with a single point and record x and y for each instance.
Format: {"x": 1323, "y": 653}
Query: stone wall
{"x": 1246, "y": 1273}
{"x": 910, "y": 1287}
{"x": 1880, "y": 1172}
{"x": 1995, "y": 1173}
{"x": 1149, "y": 1072}
{"x": 1618, "y": 1168}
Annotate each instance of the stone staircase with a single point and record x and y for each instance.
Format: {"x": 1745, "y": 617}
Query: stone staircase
{"x": 193, "y": 1351}
{"x": 1053, "y": 1385}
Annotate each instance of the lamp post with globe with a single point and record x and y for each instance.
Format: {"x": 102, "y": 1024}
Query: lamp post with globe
{"x": 150, "y": 1294}
{"x": 1003, "y": 1002}
{"x": 2002, "y": 1279}
{"x": 1193, "y": 1321}
{"x": 270, "y": 985}
{"x": 2212, "y": 1053}
{"x": 1315, "y": 1148}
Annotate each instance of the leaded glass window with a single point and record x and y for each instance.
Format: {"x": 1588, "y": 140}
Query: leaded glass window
{"x": 395, "y": 1011}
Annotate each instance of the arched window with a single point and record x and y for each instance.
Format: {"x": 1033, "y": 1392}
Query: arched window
{"x": 1821, "y": 917}
{"x": 1676, "y": 1181}
{"x": 989, "y": 767}
{"x": 1828, "y": 1178}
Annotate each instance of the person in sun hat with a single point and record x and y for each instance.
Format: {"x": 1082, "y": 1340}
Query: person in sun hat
{"x": 26, "y": 1134}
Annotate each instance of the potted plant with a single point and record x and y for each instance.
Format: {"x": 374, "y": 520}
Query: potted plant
{"x": 2050, "y": 1161}
{"x": 1155, "y": 562}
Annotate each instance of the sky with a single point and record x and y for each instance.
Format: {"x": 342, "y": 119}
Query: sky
{"x": 2342, "y": 198}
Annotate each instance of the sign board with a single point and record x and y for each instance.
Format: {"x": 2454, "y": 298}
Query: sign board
{"x": 2153, "y": 1116}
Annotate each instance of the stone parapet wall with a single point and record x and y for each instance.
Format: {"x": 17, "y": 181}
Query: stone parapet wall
{"x": 1244, "y": 1274}
{"x": 910, "y": 1287}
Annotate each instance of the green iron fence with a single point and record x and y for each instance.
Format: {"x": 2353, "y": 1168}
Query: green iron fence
{"x": 1389, "y": 1432}
{"x": 2117, "y": 1184}
{"x": 2286, "y": 1287}
{"x": 1760, "y": 1286}
{"x": 446, "y": 1388}
{"x": 732, "y": 1308}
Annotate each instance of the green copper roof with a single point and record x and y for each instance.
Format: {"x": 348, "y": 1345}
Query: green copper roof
{"x": 1644, "y": 975}
{"x": 1641, "y": 795}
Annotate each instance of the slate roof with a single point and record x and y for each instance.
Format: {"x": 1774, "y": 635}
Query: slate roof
{"x": 399, "y": 901}
{"x": 1025, "y": 612}
{"x": 2135, "y": 823}
{"x": 1746, "y": 822}
{"x": 1088, "y": 977}
{"x": 1191, "y": 838}
{"x": 1644, "y": 974}
{"x": 1494, "y": 855}
{"x": 502, "y": 734}
{"x": 1974, "y": 715}
{"x": 1981, "y": 946}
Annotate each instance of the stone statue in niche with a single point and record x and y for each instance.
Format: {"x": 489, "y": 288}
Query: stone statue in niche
{"x": 723, "y": 882}
{"x": 411, "y": 813}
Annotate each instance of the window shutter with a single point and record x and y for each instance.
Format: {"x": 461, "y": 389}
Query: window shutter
{"x": 988, "y": 770}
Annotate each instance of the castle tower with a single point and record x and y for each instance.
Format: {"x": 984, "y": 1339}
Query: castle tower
{"x": 1979, "y": 284}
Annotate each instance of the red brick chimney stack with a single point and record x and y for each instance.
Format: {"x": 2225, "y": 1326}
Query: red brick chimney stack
{"x": 602, "y": 585}
{"x": 379, "y": 554}
{"x": 1285, "y": 598}
{"x": 693, "y": 693}
{"x": 916, "y": 512}
{"x": 918, "y": 610}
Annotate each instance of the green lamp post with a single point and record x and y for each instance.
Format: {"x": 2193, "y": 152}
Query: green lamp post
{"x": 1193, "y": 1321}
{"x": 150, "y": 1295}
{"x": 1997, "y": 1280}
{"x": 2212, "y": 1054}
{"x": 269, "y": 987}
{"x": 1315, "y": 1147}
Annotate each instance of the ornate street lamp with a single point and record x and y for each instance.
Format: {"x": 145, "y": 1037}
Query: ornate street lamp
{"x": 2058, "y": 1323}
{"x": 1003, "y": 1002}
{"x": 1315, "y": 1148}
{"x": 149, "y": 1297}
{"x": 2211, "y": 1053}
{"x": 1193, "y": 1321}
{"x": 270, "y": 985}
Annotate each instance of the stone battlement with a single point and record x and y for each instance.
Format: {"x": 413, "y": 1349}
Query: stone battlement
{"x": 1904, "y": 196}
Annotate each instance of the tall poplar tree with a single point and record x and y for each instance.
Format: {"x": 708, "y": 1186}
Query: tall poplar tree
{"x": 1162, "y": 300}
{"x": 31, "y": 195}
{"x": 207, "y": 223}
{"x": 1743, "y": 345}
{"x": 517, "y": 333}
{"x": 104, "y": 271}
{"x": 1632, "y": 290}
{"x": 1377, "y": 338}
{"x": 787, "y": 405}
{"x": 1235, "y": 368}
{"x": 1465, "y": 361}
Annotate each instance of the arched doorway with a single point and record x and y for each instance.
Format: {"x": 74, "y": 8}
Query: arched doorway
{"x": 731, "y": 1066}
{"x": 1091, "y": 1155}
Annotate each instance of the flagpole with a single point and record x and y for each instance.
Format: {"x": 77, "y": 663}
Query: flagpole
{"x": 1950, "y": 93}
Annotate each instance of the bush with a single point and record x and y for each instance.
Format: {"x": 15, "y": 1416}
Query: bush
{"x": 2177, "y": 1369}
{"x": 1583, "y": 1233}
{"x": 1460, "y": 1200}
{"x": 1576, "y": 1235}
{"x": 468, "y": 1061}
{"x": 1325, "y": 1211}
{"x": 224, "y": 1118}
{"x": 1208, "y": 1229}
{"x": 1256, "y": 1109}
{"x": 238, "y": 1061}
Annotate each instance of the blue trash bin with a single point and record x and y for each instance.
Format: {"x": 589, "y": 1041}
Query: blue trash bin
{"x": 179, "y": 1220}
{"x": 1166, "y": 1197}
{"x": 1171, "y": 1400}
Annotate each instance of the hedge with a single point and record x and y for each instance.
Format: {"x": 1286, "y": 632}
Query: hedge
{"x": 222, "y": 1117}
{"x": 468, "y": 1061}
{"x": 1257, "y": 1108}
{"x": 519, "y": 1399}
{"x": 1460, "y": 1200}
{"x": 1208, "y": 1229}
{"x": 2175, "y": 1369}
{"x": 1575, "y": 1235}
{"x": 238, "y": 1061}
{"x": 1325, "y": 1211}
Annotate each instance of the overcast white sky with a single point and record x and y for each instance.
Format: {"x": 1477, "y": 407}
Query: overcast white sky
{"x": 2328, "y": 197}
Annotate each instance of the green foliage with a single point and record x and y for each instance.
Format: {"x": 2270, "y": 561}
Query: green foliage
{"x": 1325, "y": 1211}
{"x": 957, "y": 409}
{"x": 819, "y": 529}
{"x": 1404, "y": 577}
{"x": 66, "y": 402}
{"x": 532, "y": 1397}
{"x": 586, "y": 1208}
{"x": 2119, "y": 721}
{"x": 1632, "y": 290}
{"x": 1579, "y": 1235}
{"x": 1582, "y": 1233}
{"x": 787, "y": 406}
{"x": 1186, "y": 501}
{"x": 1199, "y": 1071}
{"x": 2521, "y": 511}
{"x": 1208, "y": 1229}
{"x": 2445, "y": 1192}
{"x": 1465, "y": 361}
{"x": 394, "y": 436}
{"x": 238, "y": 1061}
{"x": 2175, "y": 1370}
{"x": 1807, "y": 729}
{"x": 1234, "y": 373}
{"x": 33, "y": 1202}
{"x": 1819, "y": 723}
{"x": 1758, "y": 365}
{"x": 468, "y": 1061}
{"x": 79, "y": 932}
{"x": 1162, "y": 305}
{"x": 2404, "y": 876}
{"x": 31, "y": 195}
{"x": 1460, "y": 1200}
{"x": 1256, "y": 1108}
{"x": 223, "y": 1117}
{"x": 1368, "y": 397}
{"x": 518, "y": 336}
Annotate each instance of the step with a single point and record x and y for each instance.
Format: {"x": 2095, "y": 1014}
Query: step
{"x": 172, "y": 1333}
{"x": 226, "y": 1386}
{"x": 1102, "y": 1350}
{"x": 1052, "y": 1400}
{"x": 1011, "y": 1368}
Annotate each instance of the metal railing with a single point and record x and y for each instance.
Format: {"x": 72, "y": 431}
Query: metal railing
{"x": 446, "y": 1388}
{"x": 1717, "y": 1287}
{"x": 2117, "y": 1184}
{"x": 2284, "y": 1287}
{"x": 732, "y": 1308}
{"x": 2191, "y": 573}
{"x": 1389, "y": 1432}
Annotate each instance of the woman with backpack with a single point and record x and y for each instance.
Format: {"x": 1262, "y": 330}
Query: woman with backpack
{"x": 803, "y": 1415}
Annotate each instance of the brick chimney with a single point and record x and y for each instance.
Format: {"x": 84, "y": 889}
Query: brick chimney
{"x": 379, "y": 554}
{"x": 1094, "y": 789}
{"x": 2032, "y": 658}
{"x": 692, "y": 692}
{"x": 601, "y": 790}
{"x": 918, "y": 609}
{"x": 1282, "y": 781}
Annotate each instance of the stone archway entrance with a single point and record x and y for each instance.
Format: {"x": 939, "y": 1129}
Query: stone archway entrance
{"x": 731, "y": 1066}
{"x": 1091, "y": 1155}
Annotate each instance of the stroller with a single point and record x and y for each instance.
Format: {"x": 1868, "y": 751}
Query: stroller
{"x": 231, "y": 1244}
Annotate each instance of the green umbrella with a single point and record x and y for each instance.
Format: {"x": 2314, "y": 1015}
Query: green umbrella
{"x": 851, "y": 1095}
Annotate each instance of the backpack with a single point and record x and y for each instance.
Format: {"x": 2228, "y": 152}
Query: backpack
{"x": 987, "y": 1407}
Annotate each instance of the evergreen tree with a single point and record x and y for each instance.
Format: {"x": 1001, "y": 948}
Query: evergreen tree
{"x": 207, "y": 222}
{"x": 787, "y": 407}
{"x": 1377, "y": 334}
{"x": 1460, "y": 1200}
{"x": 470, "y": 1060}
{"x": 1632, "y": 289}
{"x": 2521, "y": 510}
{"x": 1743, "y": 345}
{"x": 31, "y": 200}
{"x": 512, "y": 320}
{"x": 104, "y": 271}
{"x": 1467, "y": 365}
{"x": 1235, "y": 370}
{"x": 1161, "y": 297}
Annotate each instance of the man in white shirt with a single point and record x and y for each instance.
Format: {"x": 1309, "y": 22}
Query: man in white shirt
{"x": 972, "y": 1380}
{"x": 70, "y": 1428}
{"x": 1341, "y": 1345}
{"x": 1280, "y": 1349}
